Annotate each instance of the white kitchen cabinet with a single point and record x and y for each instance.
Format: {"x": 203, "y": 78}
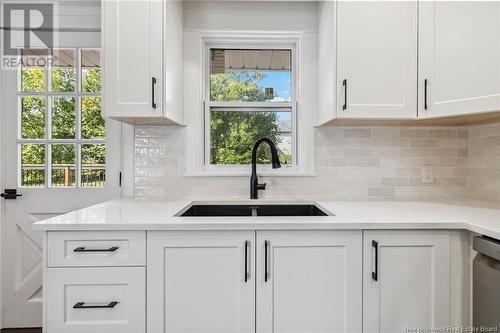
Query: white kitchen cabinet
{"x": 142, "y": 49}
{"x": 201, "y": 281}
{"x": 376, "y": 59}
{"x": 309, "y": 281}
{"x": 84, "y": 300}
{"x": 459, "y": 57}
{"x": 406, "y": 280}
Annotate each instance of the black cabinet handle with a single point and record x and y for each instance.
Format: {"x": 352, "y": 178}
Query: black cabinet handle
{"x": 425, "y": 94}
{"x": 84, "y": 249}
{"x": 266, "y": 260}
{"x": 344, "y": 83}
{"x": 153, "y": 88}
{"x": 247, "y": 244}
{"x": 81, "y": 305}
{"x": 375, "y": 273}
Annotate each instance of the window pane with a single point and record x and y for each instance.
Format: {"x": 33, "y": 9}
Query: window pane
{"x": 93, "y": 126}
{"x": 63, "y": 71}
{"x": 63, "y": 117}
{"x": 63, "y": 165}
{"x": 250, "y": 75}
{"x": 33, "y": 70}
{"x": 32, "y": 80}
{"x": 32, "y": 117}
{"x": 32, "y": 165}
{"x": 91, "y": 71}
{"x": 233, "y": 134}
{"x": 93, "y": 164}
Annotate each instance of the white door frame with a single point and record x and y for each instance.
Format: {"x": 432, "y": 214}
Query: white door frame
{"x": 2, "y": 181}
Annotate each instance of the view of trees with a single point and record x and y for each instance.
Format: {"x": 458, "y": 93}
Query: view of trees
{"x": 63, "y": 115}
{"x": 233, "y": 134}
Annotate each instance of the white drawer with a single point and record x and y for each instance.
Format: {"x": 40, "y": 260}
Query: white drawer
{"x": 96, "y": 248}
{"x": 96, "y": 300}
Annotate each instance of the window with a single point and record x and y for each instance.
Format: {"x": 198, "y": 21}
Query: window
{"x": 250, "y": 95}
{"x": 62, "y": 131}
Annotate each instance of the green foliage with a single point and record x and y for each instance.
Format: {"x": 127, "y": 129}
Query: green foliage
{"x": 63, "y": 154}
{"x": 91, "y": 80}
{"x": 93, "y": 125}
{"x": 63, "y": 80}
{"x": 32, "y": 154}
{"x": 33, "y": 117}
{"x": 236, "y": 86}
{"x": 33, "y": 80}
{"x": 63, "y": 117}
{"x": 233, "y": 134}
{"x": 93, "y": 154}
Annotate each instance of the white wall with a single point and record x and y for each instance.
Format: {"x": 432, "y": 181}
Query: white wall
{"x": 251, "y": 16}
{"x": 77, "y": 23}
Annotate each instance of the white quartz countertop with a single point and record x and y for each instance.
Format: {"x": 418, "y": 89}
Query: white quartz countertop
{"x": 129, "y": 214}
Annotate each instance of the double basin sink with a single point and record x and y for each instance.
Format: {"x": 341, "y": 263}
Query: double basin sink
{"x": 256, "y": 210}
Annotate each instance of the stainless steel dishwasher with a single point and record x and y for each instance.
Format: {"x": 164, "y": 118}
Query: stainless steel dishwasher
{"x": 486, "y": 283}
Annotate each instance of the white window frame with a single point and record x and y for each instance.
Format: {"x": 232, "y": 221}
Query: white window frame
{"x": 48, "y": 141}
{"x": 256, "y": 43}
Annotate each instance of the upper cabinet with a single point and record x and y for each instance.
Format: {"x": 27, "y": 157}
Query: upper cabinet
{"x": 143, "y": 62}
{"x": 377, "y": 60}
{"x": 367, "y": 60}
{"x": 459, "y": 58}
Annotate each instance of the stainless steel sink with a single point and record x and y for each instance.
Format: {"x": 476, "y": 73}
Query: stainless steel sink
{"x": 257, "y": 209}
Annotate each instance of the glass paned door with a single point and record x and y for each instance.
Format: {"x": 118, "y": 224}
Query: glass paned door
{"x": 58, "y": 153}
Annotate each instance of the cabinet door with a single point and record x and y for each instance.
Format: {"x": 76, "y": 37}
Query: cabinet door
{"x": 132, "y": 40}
{"x": 312, "y": 282}
{"x": 201, "y": 281}
{"x": 459, "y": 57}
{"x": 104, "y": 300}
{"x": 405, "y": 281}
{"x": 377, "y": 59}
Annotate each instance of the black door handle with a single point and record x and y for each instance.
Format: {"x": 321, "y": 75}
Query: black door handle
{"x": 247, "y": 244}
{"x": 425, "y": 94}
{"x": 81, "y": 305}
{"x": 84, "y": 249}
{"x": 344, "y": 83}
{"x": 153, "y": 88}
{"x": 266, "y": 260}
{"x": 10, "y": 194}
{"x": 375, "y": 272}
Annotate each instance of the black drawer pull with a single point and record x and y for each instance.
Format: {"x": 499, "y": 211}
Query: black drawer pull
{"x": 425, "y": 94}
{"x": 84, "y": 249}
{"x": 266, "y": 260}
{"x": 81, "y": 305}
{"x": 375, "y": 272}
{"x": 344, "y": 83}
{"x": 153, "y": 87}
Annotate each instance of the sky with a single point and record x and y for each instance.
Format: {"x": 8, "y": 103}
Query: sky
{"x": 280, "y": 81}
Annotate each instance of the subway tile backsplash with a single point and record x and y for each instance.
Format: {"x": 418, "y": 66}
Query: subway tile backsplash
{"x": 484, "y": 162}
{"x": 350, "y": 163}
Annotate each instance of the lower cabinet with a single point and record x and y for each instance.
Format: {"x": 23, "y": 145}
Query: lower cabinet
{"x": 101, "y": 300}
{"x": 406, "y": 280}
{"x": 309, "y": 281}
{"x": 201, "y": 281}
{"x": 205, "y": 281}
{"x": 281, "y": 281}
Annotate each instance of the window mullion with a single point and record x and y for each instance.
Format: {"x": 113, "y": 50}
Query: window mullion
{"x": 48, "y": 124}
